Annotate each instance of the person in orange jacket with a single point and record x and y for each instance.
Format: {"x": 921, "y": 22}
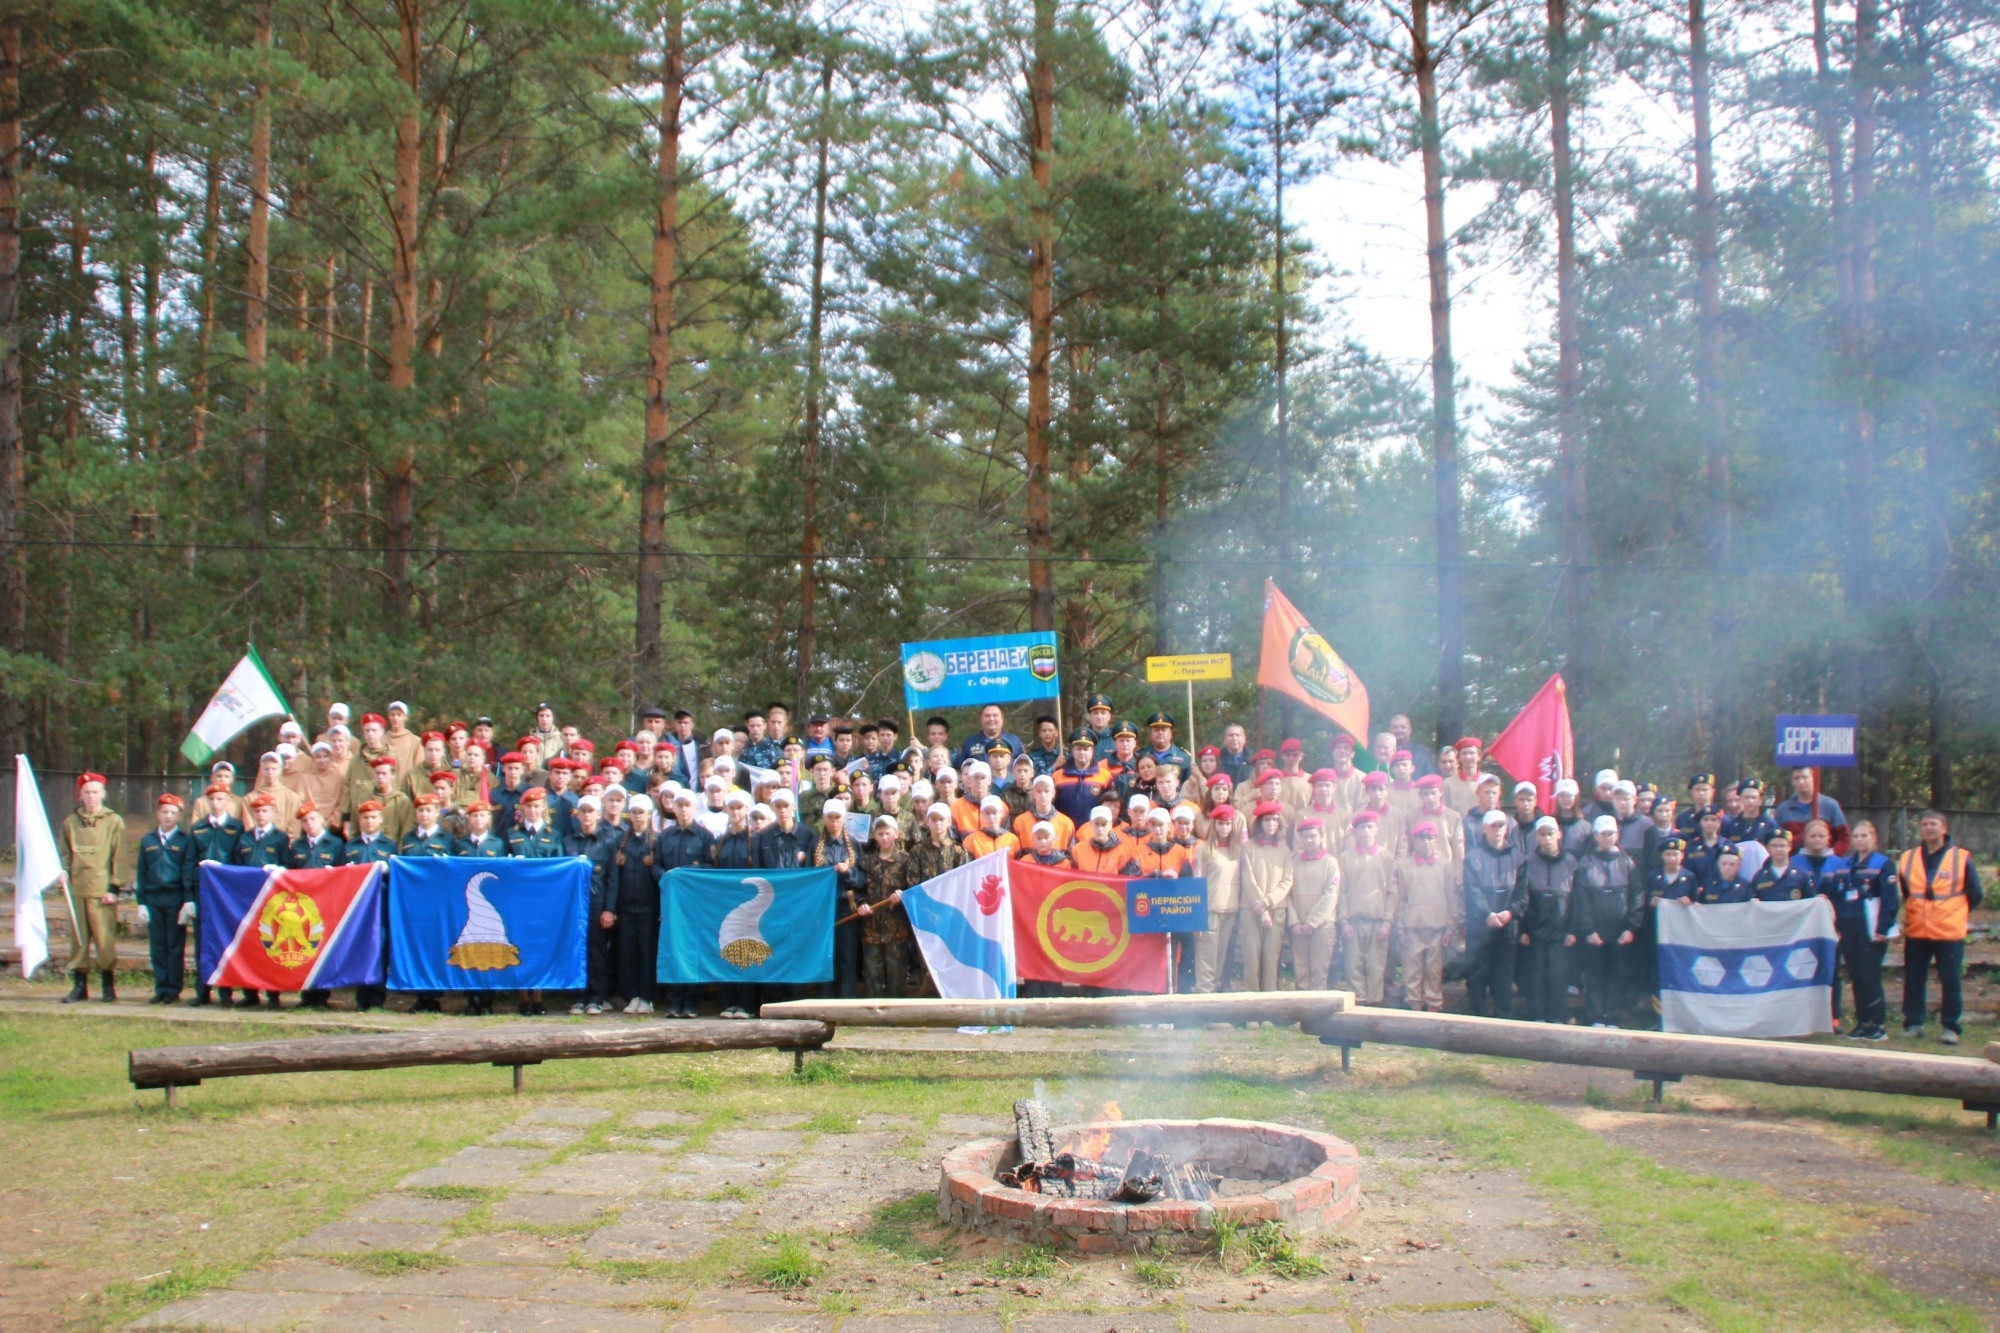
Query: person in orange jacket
{"x": 1940, "y": 888}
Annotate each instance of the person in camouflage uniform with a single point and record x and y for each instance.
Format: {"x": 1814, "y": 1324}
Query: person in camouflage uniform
{"x": 886, "y": 871}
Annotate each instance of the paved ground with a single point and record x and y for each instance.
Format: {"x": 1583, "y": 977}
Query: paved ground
{"x": 557, "y": 1223}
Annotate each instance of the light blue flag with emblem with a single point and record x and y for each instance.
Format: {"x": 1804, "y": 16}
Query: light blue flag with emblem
{"x": 773, "y": 927}
{"x": 470, "y": 923}
{"x": 1747, "y": 969}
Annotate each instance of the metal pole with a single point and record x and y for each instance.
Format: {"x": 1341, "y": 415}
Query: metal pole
{"x": 1193, "y": 744}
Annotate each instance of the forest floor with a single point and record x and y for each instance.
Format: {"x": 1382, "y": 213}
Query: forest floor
{"x": 726, "y": 1191}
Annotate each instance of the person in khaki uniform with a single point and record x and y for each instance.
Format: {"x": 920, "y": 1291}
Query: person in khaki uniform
{"x": 1428, "y": 908}
{"x": 404, "y": 744}
{"x": 284, "y": 801}
{"x": 222, "y": 773}
{"x": 1265, "y": 897}
{"x": 1367, "y": 906}
{"x": 324, "y": 784}
{"x": 1347, "y": 779}
{"x": 1219, "y": 860}
{"x": 360, "y": 768}
{"x": 96, "y": 861}
{"x": 1295, "y": 786}
{"x": 1315, "y": 901}
{"x": 1450, "y": 824}
{"x": 1461, "y": 792}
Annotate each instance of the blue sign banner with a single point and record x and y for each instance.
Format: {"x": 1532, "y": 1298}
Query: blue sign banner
{"x": 1166, "y": 906}
{"x": 469, "y": 923}
{"x": 1818, "y": 740}
{"x": 772, "y": 926}
{"x": 958, "y": 673}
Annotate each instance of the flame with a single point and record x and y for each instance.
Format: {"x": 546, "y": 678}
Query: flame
{"x": 1095, "y": 1143}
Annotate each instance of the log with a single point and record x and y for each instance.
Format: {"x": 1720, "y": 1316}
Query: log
{"x": 520, "y": 1044}
{"x": 1794, "y": 1064}
{"x": 1099, "y": 1011}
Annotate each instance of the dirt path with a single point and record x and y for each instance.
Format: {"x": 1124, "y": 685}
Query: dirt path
{"x": 1932, "y": 1239}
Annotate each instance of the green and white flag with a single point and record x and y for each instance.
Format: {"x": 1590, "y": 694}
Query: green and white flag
{"x": 248, "y": 697}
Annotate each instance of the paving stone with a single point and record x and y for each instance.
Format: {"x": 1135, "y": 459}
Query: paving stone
{"x": 306, "y": 1275}
{"x": 1562, "y": 1282}
{"x": 663, "y": 1229}
{"x": 613, "y": 1174}
{"x": 660, "y": 1144}
{"x": 1098, "y": 1323}
{"x": 240, "y": 1311}
{"x": 350, "y": 1235}
{"x": 512, "y": 1247}
{"x": 546, "y": 1136}
{"x": 1435, "y": 1279}
{"x": 782, "y": 1121}
{"x": 661, "y": 1119}
{"x": 567, "y": 1115}
{"x": 478, "y": 1166}
{"x": 411, "y": 1208}
{"x": 752, "y": 1320}
{"x": 755, "y": 1142}
{"x": 552, "y": 1210}
{"x": 1490, "y": 1320}
{"x": 1245, "y": 1321}
{"x": 481, "y": 1282}
{"x": 451, "y": 1314}
{"x": 939, "y": 1323}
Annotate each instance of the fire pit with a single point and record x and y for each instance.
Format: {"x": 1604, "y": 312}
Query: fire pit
{"x": 1115, "y": 1184}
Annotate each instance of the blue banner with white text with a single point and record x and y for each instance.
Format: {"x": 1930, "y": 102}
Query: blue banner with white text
{"x": 957, "y": 673}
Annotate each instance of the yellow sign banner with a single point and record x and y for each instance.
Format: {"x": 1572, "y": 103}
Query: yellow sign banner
{"x": 1189, "y": 666}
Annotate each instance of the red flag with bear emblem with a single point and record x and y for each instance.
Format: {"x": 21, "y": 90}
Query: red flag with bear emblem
{"x": 1070, "y": 926}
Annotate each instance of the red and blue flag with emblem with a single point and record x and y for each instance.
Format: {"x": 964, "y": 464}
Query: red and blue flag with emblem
{"x": 265, "y": 928}
{"x": 1070, "y": 926}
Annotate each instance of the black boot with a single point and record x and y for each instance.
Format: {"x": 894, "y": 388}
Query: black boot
{"x": 77, "y": 989}
{"x": 110, "y": 991}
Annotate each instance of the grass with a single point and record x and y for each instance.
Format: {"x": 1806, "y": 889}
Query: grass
{"x": 393, "y": 1263}
{"x": 787, "y": 1266}
{"x": 728, "y": 1193}
{"x": 893, "y": 1229}
{"x": 1033, "y": 1261}
{"x": 1156, "y": 1273}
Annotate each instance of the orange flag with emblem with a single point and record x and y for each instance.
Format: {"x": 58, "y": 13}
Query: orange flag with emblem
{"x": 1070, "y": 925}
{"x": 1297, "y": 660}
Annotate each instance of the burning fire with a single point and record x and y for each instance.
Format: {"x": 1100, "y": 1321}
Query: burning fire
{"x": 1095, "y": 1143}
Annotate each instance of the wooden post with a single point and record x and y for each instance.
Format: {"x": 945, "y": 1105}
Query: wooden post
{"x": 1192, "y": 743}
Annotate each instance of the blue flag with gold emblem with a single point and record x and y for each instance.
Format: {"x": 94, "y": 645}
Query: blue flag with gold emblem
{"x": 471, "y": 923}
{"x": 768, "y": 926}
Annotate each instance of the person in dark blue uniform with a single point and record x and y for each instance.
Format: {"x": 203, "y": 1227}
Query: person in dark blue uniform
{"x": 1779, "y": 880}
{"x": 164, "y": 887}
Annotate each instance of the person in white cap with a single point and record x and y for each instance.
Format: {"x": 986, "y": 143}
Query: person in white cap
{"x": 406, "y": 745}
{"x": 889, "y": 797}
{"x": 1100, "y": 848}
{"x": 977, "y": 778}
{"x": 992, "y": 835}
{"x": 1493, "y": 859}
{"x": 935, "y": 849}
{"x": 322, "y": 782}
{"x": 1541, "y": 908}
{"x": 886, "y": 937}
{"x": 1042, "y": 809}
{"x": 284, "y": 801}
{"x": 336, "y": 716}
{"x": 1602, "y": 786}
{"x": 1606, "y": 902}
{"x": 1526, "y": 809}
{"x": 835, "y": 850}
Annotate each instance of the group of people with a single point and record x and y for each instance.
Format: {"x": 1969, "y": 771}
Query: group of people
{"x": 1379, "y": 862}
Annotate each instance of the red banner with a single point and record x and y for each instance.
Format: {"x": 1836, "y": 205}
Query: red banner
{"x": 1537, "y": 745}
{"x": 295, "y": 925}
{"x": 1297, "y": 660}
{"x": 1070, "y": 926}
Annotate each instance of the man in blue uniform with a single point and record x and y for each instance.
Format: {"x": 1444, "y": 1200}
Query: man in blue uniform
{"x": 1780, "y": 881}
{"x": 164, "y": 886}
{"x": 1160, "y": 737}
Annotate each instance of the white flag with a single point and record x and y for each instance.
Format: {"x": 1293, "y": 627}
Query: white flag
{"x": 36, "y": 866}
{"x": 1747, "y": 969}
{"x": 248, "y": 697}
{"x": 964, "y": 923}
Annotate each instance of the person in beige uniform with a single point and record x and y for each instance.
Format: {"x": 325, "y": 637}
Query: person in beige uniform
{"x": 1296, "y": 788}
{"x": 284, "y": 801}
{"x": 1450, "y": 824}
{"x": 1264, "y": 897}
{"x": 1389, "y": 823}
{"x": 222, "y": 773}
{"x": 1347, "y": 779}
{"x": 323, "y": 783}
{"x": 1461, "y": 791}
{"x": 1325, "y": 805}
{"x": 1315, "y": 904}
{"x": 1428, "y": 907}
{"x": 96, "y": 861}
{"x": 406, "y": 745}
{"x": 360, "y": 768}
{"x": 1219, "y": 860}
{"x": 1367, "y": 907}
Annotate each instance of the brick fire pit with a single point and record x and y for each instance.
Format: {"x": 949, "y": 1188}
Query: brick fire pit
{"x": 1304, "y": 1181}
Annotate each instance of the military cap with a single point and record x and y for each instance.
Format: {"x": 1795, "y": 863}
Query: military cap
{"x": 1700, "y": 778}
{"x": 1124, "y": 727}
{"x": 478, "y": 807}
{"x": 375, "y": 806}
{"x": 1097, "y": 701}
{"x": 1673, "y": 844}
{"x": 1749, "y": 785}
{"x": 1160, "y": 717}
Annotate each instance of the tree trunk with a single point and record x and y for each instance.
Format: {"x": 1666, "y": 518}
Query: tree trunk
{"x": 13, "y": 567}
{"x": 257, "y": 302}
{"x": 809, "y": 464}
{"x": 1711, "y": 409}
{"x": 211, "y": 241}
{"x": 1934, "y": 486}
{"x": 1444, "y": 389}
{"x": 1281, "y": 340}
{"x": 399, "y": 485}
{"x": 1859, "y": 543}
{"x": 1041, "y": 317}
{"x": 1569, "y": 367}
{"x": 1162, "y": 476}
{"x": 648, "y": 670}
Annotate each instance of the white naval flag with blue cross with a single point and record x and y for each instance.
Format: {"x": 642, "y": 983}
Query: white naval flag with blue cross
{"x": 1747, "y": 969}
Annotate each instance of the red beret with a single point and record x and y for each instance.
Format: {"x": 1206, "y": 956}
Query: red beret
{"x": 1312, "y": 821}
{"x": 1223, "y": 778}
{"x": 1468, "y": 743}
{"x": 1401, "y": 755}
{"x": 529, "y": 740}
{"x": 382, "y": 761}
{"x": 261, "y": 800}
{"x": 1268, "y": 808}
{"x": 534, "y": 794}
{"x": 430, "y": 736}
{"x": 306, "y": 808}
{"x": 478, "y": 806}
{"x": 558, "y": 763}
{"x": 1262, "y": 756}
{"x": 1430, "y": 780}
{"x": 1206, "y": 751}
{"x": 458, "y": 729}
{"x": 513, "y": 757}
{"x": 216, "y": 789}
{"x": 1423, "y": 829}
{"x": 1365, "y": 816}
{"x": 1376, "y": 779}
{"x": 376, "y": 718}
{"x": 1325, "y": 775}
{"x": 85, "y": 779}
{"x": 426, "y": 799}
{"x": 168, "y": 798}
{"x": 375, "y": 806}
{"x": 443, "y": 775}
{"x": 1292, "y": 745}
{"x": 626, "y": 746}
{"x": 1270, "y": 775}
{"x": 1223, "y": 811}
{"x": 585, "y": 744}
